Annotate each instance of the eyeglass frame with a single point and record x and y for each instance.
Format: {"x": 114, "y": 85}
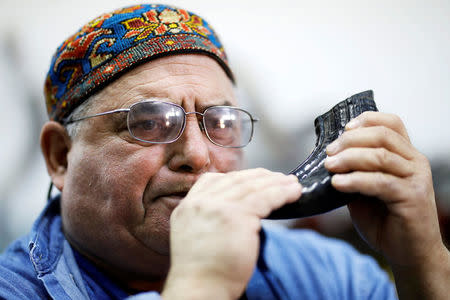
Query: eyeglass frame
{"x": 202, "y": 123}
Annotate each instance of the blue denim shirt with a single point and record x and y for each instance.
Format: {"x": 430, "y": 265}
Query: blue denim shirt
{"x": 293, "y": 264}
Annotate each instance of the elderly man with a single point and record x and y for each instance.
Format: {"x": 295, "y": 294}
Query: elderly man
{"x": 144, "y": 143}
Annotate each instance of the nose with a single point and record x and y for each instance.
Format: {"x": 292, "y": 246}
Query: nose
{"x": 190, "y": 153}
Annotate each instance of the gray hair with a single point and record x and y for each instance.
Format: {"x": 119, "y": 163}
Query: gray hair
{"x": 82, "y": 110}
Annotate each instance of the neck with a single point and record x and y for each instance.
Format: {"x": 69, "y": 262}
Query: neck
{"x": 137, "y": 286}
{"x": 130, "y": 282}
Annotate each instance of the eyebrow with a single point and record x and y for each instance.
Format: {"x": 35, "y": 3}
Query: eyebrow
{"x": 223, "y": 103}
{"x": 227, "y": 103}
{"x": 199, "y": 106}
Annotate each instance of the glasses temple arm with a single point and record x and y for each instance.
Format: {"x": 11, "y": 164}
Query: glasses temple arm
{"x": 69, "y": 121}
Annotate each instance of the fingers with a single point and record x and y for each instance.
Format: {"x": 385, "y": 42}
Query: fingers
{"x": 268, "y": 197}
{"x": 384, "y": 186}
{"x": 262, "y": 191}
{"x": 242, "y": 182}
{"x": 369, "y": 159}
{"x": 375, "y": 130}
{"x": 376, "y": 153}
{"x": 215, "y": 228}
{"x": 371, "y": 118}
{"x": 374, "y": 157}
{"x": 373, "y": 137}
{"x": 255, "y": 191}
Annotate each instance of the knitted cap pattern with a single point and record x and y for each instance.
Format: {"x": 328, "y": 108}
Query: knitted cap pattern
{"x": 115, "y": 42}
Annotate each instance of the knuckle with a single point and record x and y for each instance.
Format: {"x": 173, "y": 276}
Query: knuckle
{"x": 422, "y": 190}
{"x": 206, "y": 209}
{"x": 252, "y": 188}
{"x": 422, "y": 158}
{"x": 236, "y": 177}
{"x": 233, "y": 173}
{"x": 396, "y": 120}
{"x": 382, "y": 156}
{"x": 273, "y": 197}
{"x": 213, "y": 210}
{"x": 384, "y": 182}
{"x": 343, "y": 138}
{"x": 365, "y": 116}
{"x": 262, "y": 171}
{"x": 368, "y": 117}
{"x": 267, "y": 192}
{"x": 385, "y": 132}
{"x": 384, "y": 135}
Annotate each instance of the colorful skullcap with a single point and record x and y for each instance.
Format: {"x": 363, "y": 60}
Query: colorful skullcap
{"x": 115, "y": 42}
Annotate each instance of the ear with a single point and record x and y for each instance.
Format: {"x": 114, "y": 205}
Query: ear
{"x": 55, "y": 145}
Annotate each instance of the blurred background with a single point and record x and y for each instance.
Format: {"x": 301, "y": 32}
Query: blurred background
{"x": 293, "y": 61}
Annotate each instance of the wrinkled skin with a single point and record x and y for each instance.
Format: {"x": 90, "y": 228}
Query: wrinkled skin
{"x": 118, "y": 193}
{"x": 122, "y": 200}
{"x": 375, "y": 157}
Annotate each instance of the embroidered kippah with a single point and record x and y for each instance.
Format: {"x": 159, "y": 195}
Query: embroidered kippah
{"x": 115, "y": 42}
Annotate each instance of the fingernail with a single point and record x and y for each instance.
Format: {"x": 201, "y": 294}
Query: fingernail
{"x": 332, "y": 148}
{"x": 330, "y": 161}
{"x": 339, "y": 179}
{"x": 352, "y": 124}
{"x": 295, "y": 178}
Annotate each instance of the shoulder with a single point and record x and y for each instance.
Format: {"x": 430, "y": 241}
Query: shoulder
{"x": 28, "y": 259}
{"x": 327, "y": 267}
{"x": 18, "y": 279}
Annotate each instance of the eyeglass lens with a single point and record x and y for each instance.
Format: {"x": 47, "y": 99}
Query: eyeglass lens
{"x": 228, "y": 126}
{"x": 161, "y": 122}
{"x": 155, "y": 121}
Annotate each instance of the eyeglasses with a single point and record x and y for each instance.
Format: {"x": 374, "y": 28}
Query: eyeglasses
{"x": 159, "y": 122}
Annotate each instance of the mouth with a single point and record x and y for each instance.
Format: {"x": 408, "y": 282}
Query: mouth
{"x": 172, "y": 200}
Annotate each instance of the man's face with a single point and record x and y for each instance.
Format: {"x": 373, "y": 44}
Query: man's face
{"x": 118, "y": 193}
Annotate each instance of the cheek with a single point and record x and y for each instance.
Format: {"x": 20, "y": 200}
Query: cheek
{"x": 111, "y": 181}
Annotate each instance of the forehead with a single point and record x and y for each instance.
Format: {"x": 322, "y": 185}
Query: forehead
{"x": 194, "y": 81}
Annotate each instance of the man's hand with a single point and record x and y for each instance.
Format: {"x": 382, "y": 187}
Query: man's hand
{"x": 215, "y": 231}
{"x": 375, "y": 157}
